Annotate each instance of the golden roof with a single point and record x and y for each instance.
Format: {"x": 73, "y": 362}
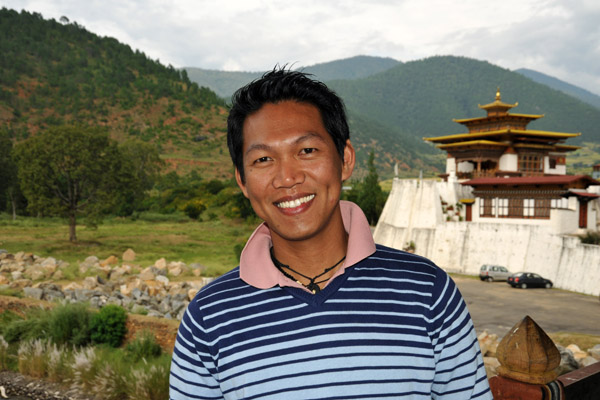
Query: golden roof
{"x": 473, "y": 143}
{"x": 506, "y": 131}
{"x": 507, "y": 116}
{"x": 498, "y": 103}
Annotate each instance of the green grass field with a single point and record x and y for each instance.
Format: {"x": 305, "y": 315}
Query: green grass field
{"x": 174, "y": 237}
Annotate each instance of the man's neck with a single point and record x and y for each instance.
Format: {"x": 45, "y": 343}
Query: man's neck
{"x": 313, "y": 255}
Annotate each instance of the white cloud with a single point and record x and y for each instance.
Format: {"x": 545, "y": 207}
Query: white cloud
{"x": 557, "y": 37}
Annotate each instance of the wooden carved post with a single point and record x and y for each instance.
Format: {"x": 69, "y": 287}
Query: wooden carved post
{"x": 529, "y": 361}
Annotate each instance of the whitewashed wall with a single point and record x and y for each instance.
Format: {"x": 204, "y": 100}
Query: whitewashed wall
{"x": 464, "y": 246}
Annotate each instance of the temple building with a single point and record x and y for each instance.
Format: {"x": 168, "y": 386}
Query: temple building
{"x": 505, "y": 199}
{"x": 517, "y": 173}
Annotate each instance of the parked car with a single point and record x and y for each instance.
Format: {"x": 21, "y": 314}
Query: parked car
{"x": 492, "y": 273}
{"x": 528, "y": 279}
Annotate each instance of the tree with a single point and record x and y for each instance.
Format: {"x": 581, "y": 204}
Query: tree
{"x": 140, "y": 170}
{"x": 70, "y": 172}
{"x": 368, "y": 194}
{"x": 9, "y": 186}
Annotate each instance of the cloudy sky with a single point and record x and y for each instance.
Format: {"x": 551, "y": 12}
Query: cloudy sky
{"x": 560, "y": 38}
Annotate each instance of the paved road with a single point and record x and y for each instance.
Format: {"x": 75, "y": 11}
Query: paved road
{"x": 497, "y": 307}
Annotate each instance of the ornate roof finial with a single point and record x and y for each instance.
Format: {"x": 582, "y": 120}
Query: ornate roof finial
{"x": 498, "y": 94}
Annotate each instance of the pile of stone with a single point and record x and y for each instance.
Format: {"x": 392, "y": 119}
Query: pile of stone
{"x": 572, "y": 357}
{"x": 145, "y": 291}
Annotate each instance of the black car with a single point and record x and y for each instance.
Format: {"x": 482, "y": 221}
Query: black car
{"x": 528, "y": 279}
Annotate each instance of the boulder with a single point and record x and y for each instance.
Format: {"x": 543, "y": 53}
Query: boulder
{"x": 586, "y": 361}
{"x": 595, "y": 352}
{"x": 488, "y": 344}
{"x": 578, "y": 354}
{"x": 162, "y": 279}
{"x": 90, "y": 282}
{"x": 128, "y": 255}
{"x": 16, "y": 275}
{"x": 3, "y": 279}
{"x": 161, "y": 264}
{"x": 192, "y": 293}
{"x": 491, "y": 365}
{"x": 49, "y": 262}
{"x": 111, "y": 260}
{"x": 147, "y": 274}
{"x": 34, "y": 293}
{"x": 567, "y": 361}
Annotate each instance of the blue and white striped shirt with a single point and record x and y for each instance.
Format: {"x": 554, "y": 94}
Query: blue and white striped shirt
{"x": 393, "y": 326}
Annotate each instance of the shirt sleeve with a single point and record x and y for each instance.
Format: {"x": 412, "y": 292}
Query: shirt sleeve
{"x": 193, "y": 368}
{"x": 459, "y": 371}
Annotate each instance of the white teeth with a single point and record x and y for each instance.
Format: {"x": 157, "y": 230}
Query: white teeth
{"x": 295, "y": 203}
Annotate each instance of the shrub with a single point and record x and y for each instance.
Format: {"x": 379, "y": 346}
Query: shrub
{"x": 150, "y": 382}
{"x": 32, "y": 358}
{"x": 143, "y": 347}
{"x": 69, "y": 324}
{"x": 194, "y": 208}
{"x": 58, "y": 364}
{"x": 590, "y": 238}
{"x": 3, "y": 354}
{"x": 108, "y": 325}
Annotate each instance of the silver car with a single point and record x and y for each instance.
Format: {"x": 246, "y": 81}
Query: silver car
{"x": 492, "y": 273}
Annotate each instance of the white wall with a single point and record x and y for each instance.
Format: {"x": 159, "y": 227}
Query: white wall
{"x": 464, "y": 246}
{"x": 509, "y": 162}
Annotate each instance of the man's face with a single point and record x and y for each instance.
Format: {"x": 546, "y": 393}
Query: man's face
{"x": 293, "y": 172}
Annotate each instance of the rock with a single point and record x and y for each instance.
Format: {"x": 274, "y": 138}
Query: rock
{"x": 578, "y": 354}
{"x": 128, "y": 255}
{"x": 192, "y": 293}
{"x": 111, "y": 260}
{"x": 37, "y": 273}
{"x": 52, "y": 295}
{"x": 72, "y": 286}
{"x": 488, "y": 344}
{"x": 34, "y": 293}
{"x": 58, "y": 275}
{"x": 16, "y": 275}
{"x": 3, "y": 280}
{"x": 162, "y": 279}
{"x": 154, "y": 288}
{"x": 49, "y": 262}
{"x": 90, "y": 282}
{"x": 567, "y": 361}
{"x": 595, "y": 352}
{"x": 588, "y": 360}
{"x": 147, "y": 275}
{"x": 161, "y": 264}
{"x": 491, "y": 364}
{"x": 175, "y": 271}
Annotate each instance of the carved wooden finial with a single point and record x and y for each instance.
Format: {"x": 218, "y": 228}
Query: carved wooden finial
{"x": 527, "y": 354}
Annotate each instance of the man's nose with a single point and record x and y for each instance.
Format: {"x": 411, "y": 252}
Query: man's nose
{"x": 289, "y": 173}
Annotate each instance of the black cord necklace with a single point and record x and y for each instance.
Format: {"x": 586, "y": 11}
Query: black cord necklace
{"x": 313, "y": 284}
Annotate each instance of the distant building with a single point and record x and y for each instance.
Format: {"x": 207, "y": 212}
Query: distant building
{"x": 505, "y": 199}
{"x": 517, "y": 173}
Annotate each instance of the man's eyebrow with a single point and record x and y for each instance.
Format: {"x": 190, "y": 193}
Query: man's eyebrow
{"x": 264, "y": 146}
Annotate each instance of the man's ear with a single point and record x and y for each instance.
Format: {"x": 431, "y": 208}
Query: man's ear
{"x": 238, "y": 179}
{"x": 349, "y": 161}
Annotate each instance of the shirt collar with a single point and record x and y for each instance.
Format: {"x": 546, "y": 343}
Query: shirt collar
{"x": 257, "y": 269}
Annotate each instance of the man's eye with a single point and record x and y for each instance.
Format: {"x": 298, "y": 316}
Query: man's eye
{"x": 261, "y": 160}
{"x": 308, "y": 150}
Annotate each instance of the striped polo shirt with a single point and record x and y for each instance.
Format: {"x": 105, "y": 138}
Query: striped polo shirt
{"x": 389, "y": 325}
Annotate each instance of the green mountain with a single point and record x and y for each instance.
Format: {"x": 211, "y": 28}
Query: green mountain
{"x": 54, "y": 73}
{"x": 572, "y": 90}
{"x": 422, "y": 97}
{"x": 224, "y": 83}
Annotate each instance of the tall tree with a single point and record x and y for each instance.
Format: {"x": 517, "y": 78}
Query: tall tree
{"x": 368, "y": 194}
{"x": 9, "y": 185}
{"x": 70, "y": 172}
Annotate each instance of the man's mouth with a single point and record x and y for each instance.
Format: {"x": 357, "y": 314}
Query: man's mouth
{"x": 296, "y": 202}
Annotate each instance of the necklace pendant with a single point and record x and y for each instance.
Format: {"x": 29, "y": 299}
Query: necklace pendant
{"x": 313, "y": 287}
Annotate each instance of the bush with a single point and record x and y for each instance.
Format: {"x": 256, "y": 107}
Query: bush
{"x": 108, "y": 325}
{"x": 143, "y": 347}
{"x": 70, "y": 324}
{"x": 590, "y": 238}
{"x": 194, "y": 208}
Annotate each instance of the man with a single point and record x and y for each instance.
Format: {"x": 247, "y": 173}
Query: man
{"x": 316, "y": 310}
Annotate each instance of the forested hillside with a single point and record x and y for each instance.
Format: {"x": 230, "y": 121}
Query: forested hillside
{"x": 54, "y": 73}
{"x": 422, "y": 97}
{"x": 224, "y": 83}
{"x": 572, "y": 90}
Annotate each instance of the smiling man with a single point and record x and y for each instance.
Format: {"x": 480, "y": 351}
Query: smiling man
{"x": 316, "y": 310}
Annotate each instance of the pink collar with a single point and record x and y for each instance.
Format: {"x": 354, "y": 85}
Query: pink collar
{"x": 257, "y": 269}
